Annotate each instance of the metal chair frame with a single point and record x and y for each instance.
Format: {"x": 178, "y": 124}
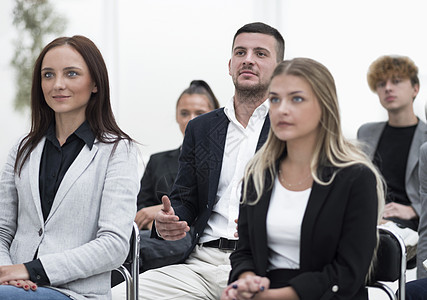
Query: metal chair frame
{"x": 401, "y": 277}
{"x": 131, "y": 277}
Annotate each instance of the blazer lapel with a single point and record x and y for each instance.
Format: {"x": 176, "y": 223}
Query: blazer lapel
{"x": 315, "y": 203}
{"x": 373, "y": 139}
{"x": 259, "y": 221}
{"x": 217, "y": 137}
{"x": 76, "y": 169}
{"x": 264, "y": 133}
{"x": 34, "y": 170}
{"x": 217, "y": 134}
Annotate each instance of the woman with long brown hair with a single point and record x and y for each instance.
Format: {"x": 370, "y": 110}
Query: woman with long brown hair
{"x": 68, "y": 189}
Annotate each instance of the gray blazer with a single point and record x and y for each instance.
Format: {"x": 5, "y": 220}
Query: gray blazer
{"x": 87, "y": 232}
{"x": 370, "y": 134}
{"x": 422, "y": 229}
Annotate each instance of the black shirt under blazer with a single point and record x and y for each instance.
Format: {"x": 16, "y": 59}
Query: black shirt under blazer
{"x": 338, "y": 237}
{"x": 194, "y": 191}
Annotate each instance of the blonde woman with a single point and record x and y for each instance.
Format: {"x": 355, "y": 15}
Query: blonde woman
{"x": 310, "y": 202}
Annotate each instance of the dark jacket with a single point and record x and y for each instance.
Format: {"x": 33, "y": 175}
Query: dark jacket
{"x": 158, "y": 178}
{"x": 193, "y": 194}
{"x": 338, "y": 236}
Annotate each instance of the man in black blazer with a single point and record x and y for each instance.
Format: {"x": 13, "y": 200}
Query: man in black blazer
{"x": 157, "y": 181}
{"x": 206, "y": 193}
{"x": 158, "y": 178}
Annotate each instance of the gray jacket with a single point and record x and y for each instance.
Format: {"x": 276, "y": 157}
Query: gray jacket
{"x": 370, "y": 134}
{"x": 87, "y": 232}
{"x": 422, "y": 229}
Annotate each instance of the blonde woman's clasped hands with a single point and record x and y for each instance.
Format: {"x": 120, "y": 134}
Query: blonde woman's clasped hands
{"x": 246, "y": 288}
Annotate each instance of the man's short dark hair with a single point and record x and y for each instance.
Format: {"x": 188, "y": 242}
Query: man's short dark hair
{"x": 259, "y": 27}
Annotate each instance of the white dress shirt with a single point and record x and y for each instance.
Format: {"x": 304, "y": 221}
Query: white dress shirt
{"x": 240, "y": 147}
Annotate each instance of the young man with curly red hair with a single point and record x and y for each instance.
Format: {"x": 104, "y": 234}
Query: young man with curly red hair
{"x": 394, "y": 145}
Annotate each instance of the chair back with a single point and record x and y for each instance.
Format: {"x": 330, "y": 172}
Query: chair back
{"x": 390, "y": 263}
{"x": 130, "y": 268}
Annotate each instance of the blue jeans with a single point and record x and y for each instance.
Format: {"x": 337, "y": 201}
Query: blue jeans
{"x": 8, "y": 292}
{"x": 416, "y": 289}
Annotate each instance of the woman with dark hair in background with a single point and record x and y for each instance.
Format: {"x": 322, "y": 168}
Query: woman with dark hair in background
{"x": 68, "y": 189}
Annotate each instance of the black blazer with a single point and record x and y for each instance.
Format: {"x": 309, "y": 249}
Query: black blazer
{"x": 158, "y": 178}
{"x": 338, "y": 236}
{"x": 193, "y": 194}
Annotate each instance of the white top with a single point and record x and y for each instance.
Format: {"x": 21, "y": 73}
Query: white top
{"x": 240, "y": 147}
{"x": 284, "y": 219}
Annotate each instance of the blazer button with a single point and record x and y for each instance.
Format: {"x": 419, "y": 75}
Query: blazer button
{"x": 40, "y": 232}
{"x": 335, "y": 288}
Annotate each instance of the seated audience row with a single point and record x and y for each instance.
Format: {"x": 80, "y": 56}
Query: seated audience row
{"x": 306, "y": 200}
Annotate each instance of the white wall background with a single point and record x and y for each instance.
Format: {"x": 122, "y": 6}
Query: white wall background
{"x": 154, "y": 48}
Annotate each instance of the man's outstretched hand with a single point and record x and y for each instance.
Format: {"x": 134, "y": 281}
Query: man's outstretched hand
{"x": 168, "y": 225}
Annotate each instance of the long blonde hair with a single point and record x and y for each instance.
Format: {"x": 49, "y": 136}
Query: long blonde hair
{"x": 331, "y": 149}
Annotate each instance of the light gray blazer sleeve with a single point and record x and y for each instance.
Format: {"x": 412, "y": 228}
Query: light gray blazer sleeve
{"x": 422, "y": 229}
{"x": 369, "y": 134}
{"x": 8, "y": 208}
{"x": 412, "y": 181}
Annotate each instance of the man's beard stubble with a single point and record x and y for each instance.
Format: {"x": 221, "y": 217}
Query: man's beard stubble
{"x": 251, "y": 94}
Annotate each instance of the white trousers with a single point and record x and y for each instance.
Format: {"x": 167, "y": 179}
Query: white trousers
{"x": 203, "y": 276}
